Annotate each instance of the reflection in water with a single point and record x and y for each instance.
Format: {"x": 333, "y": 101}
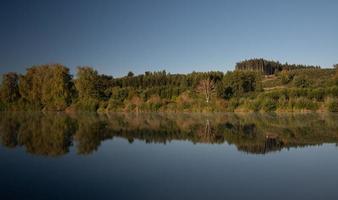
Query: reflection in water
{"x": 52, "y": 134}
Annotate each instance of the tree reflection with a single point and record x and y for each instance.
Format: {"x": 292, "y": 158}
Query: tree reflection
{"x": 43, "y": 134}
{"x": 52, "y": 134}
{"x": 91, "y": 131}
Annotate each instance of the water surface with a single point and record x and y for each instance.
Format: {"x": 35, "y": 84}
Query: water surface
{"x": 168, "y": 156}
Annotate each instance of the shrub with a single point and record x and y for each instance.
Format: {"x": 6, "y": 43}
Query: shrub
{"x": 102, "y": 107}
{"x": 275, "y": 95}
{"x": 268, "y": 105}
{"x": 253, "y": 105}
{"x": 318, "y": 94}
{"x": 304, "y": 103}
{"x": 154, "y": 103}
{"x": 114, "y": 105}
{"x": 331, "y": 104}
{"x": 285, "y": 77}
{"x": 2, "y": 106}
{"x": 332, "y": 91}
{"x": 301, "y": 82}
{"x": 232, "y": 104}
{"x": 88, "y": 104}
{"x": 282, "y": 103}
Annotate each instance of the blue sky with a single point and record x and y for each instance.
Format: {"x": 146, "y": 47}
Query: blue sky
{"x": 179, "y": 36}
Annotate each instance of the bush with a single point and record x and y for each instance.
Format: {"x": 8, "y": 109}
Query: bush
{"x": 232, "y": 104}
{"x": 285, "y": 77}
{"x": 268, "y": 105}
{"x": 318, "y": 94}
{"x": 275, "y": 95}
{"x": 2, "y": 106}
{"x": 283, "y": 104}
{"x": 103, "y": 105}
{"x": 331, "y": 104}
{"x": 154, "y": 103}
{"x": 88, "y": 104}
{"x": 332, "y": 91}
{"x": 304, "y": 103}
{"x": 301, "y": 82}
{"x": 114, "y": 105}
{"x": 252, "y": 105}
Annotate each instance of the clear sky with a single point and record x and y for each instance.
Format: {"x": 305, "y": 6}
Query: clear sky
{"x": 178, "y": 36}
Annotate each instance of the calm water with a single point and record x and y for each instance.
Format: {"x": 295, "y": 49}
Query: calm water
{"x": 168, "y": 156}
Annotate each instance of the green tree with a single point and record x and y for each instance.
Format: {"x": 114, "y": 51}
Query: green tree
{"x": 240, "y": 82}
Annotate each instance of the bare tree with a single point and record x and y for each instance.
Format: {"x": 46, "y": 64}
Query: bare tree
{"x": 207, "y": 88}
{"x": 136, "y": 101}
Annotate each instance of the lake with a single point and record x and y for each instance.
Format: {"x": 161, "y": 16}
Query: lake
{"x": 168, "y": 156}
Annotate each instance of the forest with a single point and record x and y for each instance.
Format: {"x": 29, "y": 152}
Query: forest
{"x": 254, "y": 85}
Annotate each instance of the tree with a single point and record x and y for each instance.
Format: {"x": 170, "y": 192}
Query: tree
{"x": 49, "y": 86}
{"x": 130, "y": 74}
{"x": 207, "y": 88}
{"x": 9, "y": 90}
{"x": 119, "y": 94}
{"x": 86, "y": 83}
{"x": 57, "y": 88}
{"x": 30, "y": 85}
{"x": 268, "y": 67}
{"x": 265, "y": 66}
{"x": 136, "y": 101}
{"x": 103, "y": 86}
{"x": 240, "y": 82}
{"x": 335, "y": 66}
{"x": 89, "y": 84}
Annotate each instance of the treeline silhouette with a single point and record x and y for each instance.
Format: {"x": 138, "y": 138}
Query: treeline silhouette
{"x": 53, "y": 134}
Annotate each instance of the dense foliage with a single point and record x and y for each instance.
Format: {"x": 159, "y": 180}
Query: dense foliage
{"x": 268, "y": 67}
{"x": 290, "y": 88}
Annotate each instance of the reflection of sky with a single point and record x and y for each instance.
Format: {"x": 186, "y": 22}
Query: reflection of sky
{"x": 177, "y": 170}
{"x": 179, "y": 36}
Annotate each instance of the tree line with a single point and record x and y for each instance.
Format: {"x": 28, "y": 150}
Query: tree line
{"x": 51, "y": 87}
{"x": 269, "y": 67}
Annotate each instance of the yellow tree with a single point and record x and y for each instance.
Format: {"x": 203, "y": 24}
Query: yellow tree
{"x": 9, "y": 90}
{"x": 47, "y": 85}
